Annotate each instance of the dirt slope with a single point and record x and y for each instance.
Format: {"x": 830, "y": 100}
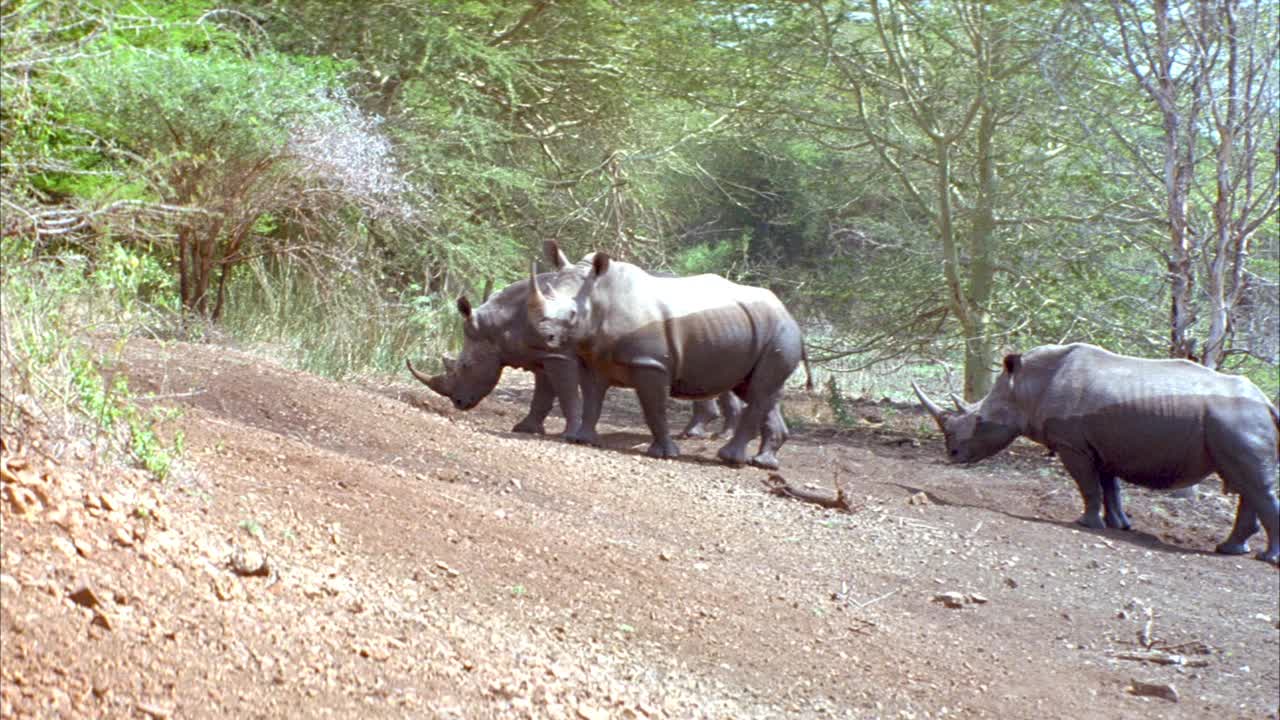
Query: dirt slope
{"x": 341, "y": 551}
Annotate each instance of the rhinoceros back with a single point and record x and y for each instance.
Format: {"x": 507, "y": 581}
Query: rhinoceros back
{"x": 706, "y": 331}
{"x": 1156, "y": 423}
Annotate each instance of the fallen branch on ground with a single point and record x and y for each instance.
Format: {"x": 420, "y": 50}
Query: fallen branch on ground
{"x": 778, "y": 485}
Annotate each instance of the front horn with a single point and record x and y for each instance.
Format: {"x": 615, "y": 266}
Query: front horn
{"x": 939, "y": 415}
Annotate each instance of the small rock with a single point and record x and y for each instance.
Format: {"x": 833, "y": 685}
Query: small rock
{"x": 1011, "y": 583}
{"x": 85, "y": 596}
{"x": 102, "y": 620}
{"x": 976, "y": 598}
{"x": 664, "y": 556}
{"x": 920, "y": 498}
{"x": 950, "y": 599}
{"x": 23, "y": 500}
{"x": 1159, "y": 690}
{"x": 250, "y": 563}
{"x": 123, "y": 537}
{"x": 10, "y": 583}
{"x": 83, "y": 547}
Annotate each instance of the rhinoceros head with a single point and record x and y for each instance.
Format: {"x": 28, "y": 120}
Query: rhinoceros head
{"x": 976, "y": 431}
{"x": 557, "y": 316}
{"x": 473, "y": 375}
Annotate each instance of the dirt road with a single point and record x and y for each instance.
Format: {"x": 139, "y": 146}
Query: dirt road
{"x": 334, "y": 550}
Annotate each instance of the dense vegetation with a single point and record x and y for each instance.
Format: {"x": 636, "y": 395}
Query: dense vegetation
{"x": 921, "y": 182}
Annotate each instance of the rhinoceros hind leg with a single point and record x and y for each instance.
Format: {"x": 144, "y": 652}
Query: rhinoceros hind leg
{"x": 704, "y": 411}
{"x": 731, "y": 409}
{"x": 773, "y": 432}
{"x": 1237, "y": 543}
{"x": 1113, "y": 504}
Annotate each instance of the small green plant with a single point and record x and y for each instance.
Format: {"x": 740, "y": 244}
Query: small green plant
{"x": 518, "y": 591}
{"x": 839, "y": 406}
{"x": 252, "y": 527}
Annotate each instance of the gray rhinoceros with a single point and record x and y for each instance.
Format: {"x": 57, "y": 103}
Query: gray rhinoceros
{"x": 1162, "y": 424}
{"x": 496, "y": 336}
{"x": 684, "y": 337}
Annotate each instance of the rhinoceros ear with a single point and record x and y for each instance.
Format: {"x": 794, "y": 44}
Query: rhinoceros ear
{"x": 1012, "y": 363}
{"x": 600, "y": 263}
{"x": 554, "y": 255}
{"x": 464, "y": 306}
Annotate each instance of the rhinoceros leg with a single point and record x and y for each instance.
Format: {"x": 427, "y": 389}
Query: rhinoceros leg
{"x": 1113, "y": 503}
{"x": 1247, "y": 464}
{"x": 543, "y": 400}
{"x": 752, "y": 419}
{"x": 1085, "y": 473}
{"x": 731, "y": 409}
{"x": 1237, "y": 543}
{"x": 653, "y": 388}
{"x": 564, "y": 376}
{"x": 594, "y": 388}
{"x": 704, "y": 411}
{"x": 773, "y": 432}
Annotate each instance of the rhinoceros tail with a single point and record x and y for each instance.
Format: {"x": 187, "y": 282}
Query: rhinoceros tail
{"x": 808, "y": 374}
{"x": 1275, "y": 419}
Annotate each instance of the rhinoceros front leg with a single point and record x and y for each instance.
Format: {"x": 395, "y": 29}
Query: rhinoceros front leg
{"x": 543, "y": 399}
{"x": 1085, "y": 473}
{"x": 653, "y": 388}
{"x": 594, "y": 388}
{"x": 564, "y": 375}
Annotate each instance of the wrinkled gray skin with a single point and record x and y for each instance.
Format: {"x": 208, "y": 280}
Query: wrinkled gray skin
{"x": 691, "y": 337}
{"x": 496, "y": 336}
{"x": 1161, "y": 424}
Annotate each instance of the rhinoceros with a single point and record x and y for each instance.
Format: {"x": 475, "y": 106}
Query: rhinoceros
{"x": 496, "y": 337}
{"x": 684, "y": 337}
{"x": 1161, "y": 424}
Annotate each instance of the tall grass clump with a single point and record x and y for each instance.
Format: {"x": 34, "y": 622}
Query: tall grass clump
{"x": 334, "y": 323}
{"x": 63, "y": 323}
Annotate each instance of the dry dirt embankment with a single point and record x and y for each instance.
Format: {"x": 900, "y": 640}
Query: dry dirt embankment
{"x": 348, "y": 551}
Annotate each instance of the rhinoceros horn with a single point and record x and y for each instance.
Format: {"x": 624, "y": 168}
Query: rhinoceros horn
{"x": 537, "y": 301}
{"x": 939, "y": 415}
{"x": 436, "y": 383}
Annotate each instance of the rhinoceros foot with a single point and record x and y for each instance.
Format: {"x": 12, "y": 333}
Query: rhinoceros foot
{"x": 582, "y": 437}
{"x": 695, "y": 431}
{"x": 1091, "y": 520}
{"x": 766, "y": 460}
{"x": 662, "y": 449}
{"x": 1272, "y": 556}
{"x": 1234, "y": 548}
{"x": 1119, "y": 521}
{"x": 530, "y": 426}
{"x": 734, "y": 458}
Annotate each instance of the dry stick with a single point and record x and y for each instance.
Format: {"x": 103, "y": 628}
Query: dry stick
{"x": 778, "y": 485}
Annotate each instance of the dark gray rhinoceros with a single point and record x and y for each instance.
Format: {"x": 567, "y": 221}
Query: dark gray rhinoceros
{"x": 684, "y": 337}
{"x": 1162, "y": 424}
{"x": 496, "y": 336}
